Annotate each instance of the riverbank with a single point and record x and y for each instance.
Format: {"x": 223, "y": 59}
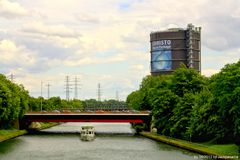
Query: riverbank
{"x": 13, "y": 133}
{"x": 207, "y": 150}
{"x": 9, "y": 134}
{"x": 46, "y": 125}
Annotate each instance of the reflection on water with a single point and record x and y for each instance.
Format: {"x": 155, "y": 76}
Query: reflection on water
{"x": 8, "y": 146}
{"x": 104, "y": 147}
{"x": 101, "y": 128}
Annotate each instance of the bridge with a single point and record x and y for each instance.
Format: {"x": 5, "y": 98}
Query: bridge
{"x": 115, "y": 117}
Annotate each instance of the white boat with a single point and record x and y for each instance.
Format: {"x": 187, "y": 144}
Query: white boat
{"x": 87, "y": 133}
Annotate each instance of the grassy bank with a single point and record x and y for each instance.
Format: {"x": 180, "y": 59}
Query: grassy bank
{"x": 225, "y": 151}
{"x": 12, "y": 133}
{"x": 48, "y": 125}
{"x": 8, "y": 134}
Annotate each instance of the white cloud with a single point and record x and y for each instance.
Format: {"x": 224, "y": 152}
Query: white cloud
{"x": 32, "y": 82}
{"x": 13, "y": 54}
{"x": 236, "y": 13}
{"x": 218, "y": 43}
{"x": 137, "y": 67}
{"x": 214, "y": 61}
{"x": 92, "y": 60}
{"x": 78, "y": 34}
{"x": 17, "y": 57}
{"x": 209, "y": 72}
{"x": 83, "y": 61}
{"x": 222, "y": 58}
{"x": 58, "y": 35}
{"x": 10, "y": 9}
{"x": 50, "y": 30}
{"x": 86, "y": 18}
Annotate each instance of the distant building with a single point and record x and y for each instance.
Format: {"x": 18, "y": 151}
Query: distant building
{"x": 174, "y": 46}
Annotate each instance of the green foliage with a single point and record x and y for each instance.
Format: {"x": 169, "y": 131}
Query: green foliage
{"x": 135, "y": 100}
{"x": 163, "y": 105}
{"x": 187, "y": 81}
{"x": 219, "y": 150}
{"x": 143, "y": 98}
{"x": 181, "y": 117}
{"x": 8, "y": 134}
{"x": 189, "y": 106}
{"x": 34, "y": 104}
{"x": 54, "y": 103}
{"x": 76, "y": 104}
{"x": 225, "y": 87}
{"x": 204, "y": 122}
{"x": 93, "y": 104}
{"x": 13, "y": 101}
{"x": 139, "y": 127}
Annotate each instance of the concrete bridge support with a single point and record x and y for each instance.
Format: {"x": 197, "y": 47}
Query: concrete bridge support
{"x": 24, "y": 124}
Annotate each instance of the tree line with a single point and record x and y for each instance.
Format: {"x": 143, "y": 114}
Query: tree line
{"x": 53, "y": 103}
{"x": 189, "y": 106}
{"x": 56, "y": 103}
{"x": 15, "y": 101}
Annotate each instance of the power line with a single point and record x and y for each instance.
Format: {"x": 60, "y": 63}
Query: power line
{"x": 117, "y": 95}
{"x": 11, "y": 77}
{"x": 41, "y": 95}
{"x": 48, "y": 90}
{"x": 76, "y": 84}
{"x": 67, "y": 89}
{"x": 99, "y": 93}
{"x": 41, "y": 88}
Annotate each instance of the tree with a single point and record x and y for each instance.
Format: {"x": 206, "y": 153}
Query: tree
{"x": 189, "y": 106}
{"x": 205, "y": 122}
{"x": 186, "y": 80}
{"x": 181, "y": 116}
{"x": 55, "y": 103}
{"x": 225, "y": 87}
{"x": 149, "y": 85}
{"x": 13, "y": 101}
{"x": 34, "y": 104}
{"x": 77, "y": 104}
{"x": 163, "y": 105}
{"x": 24, "y": 100}
{"x": 135, "y": 100}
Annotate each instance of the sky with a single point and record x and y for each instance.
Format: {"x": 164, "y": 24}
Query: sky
{"x": 105, "y": 41}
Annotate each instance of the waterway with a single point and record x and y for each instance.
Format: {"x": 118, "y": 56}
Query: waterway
{"x": 113, "y": 142}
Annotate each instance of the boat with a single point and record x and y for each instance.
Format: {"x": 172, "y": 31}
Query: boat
{"x": 87, "y": 133}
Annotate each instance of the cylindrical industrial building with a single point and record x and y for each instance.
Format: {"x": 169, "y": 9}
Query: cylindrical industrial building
{"x": 173, "y": 47}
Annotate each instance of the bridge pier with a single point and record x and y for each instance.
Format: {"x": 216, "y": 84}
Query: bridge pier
{"x": 152, "y": 126}
{"x": 24, "y": 124}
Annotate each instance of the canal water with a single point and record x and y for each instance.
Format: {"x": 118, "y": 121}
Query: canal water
{"x": 113, "y": 142}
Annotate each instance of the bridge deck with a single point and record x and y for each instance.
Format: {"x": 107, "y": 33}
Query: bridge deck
{"x": 138, "y": 117}
{"x": 93, "y": 112}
